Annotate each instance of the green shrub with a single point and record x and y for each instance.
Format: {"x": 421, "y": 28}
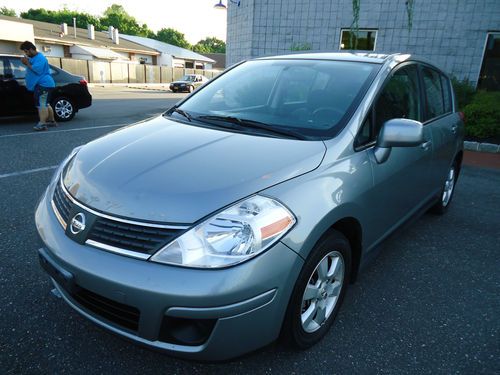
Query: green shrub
{"x": 464, "y": 92}
{"x": 482, "y": 115}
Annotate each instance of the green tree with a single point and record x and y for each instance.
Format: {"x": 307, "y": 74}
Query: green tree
{"x": 210, "y": 45}
{"x": 172, "y": 36}
{"x": 4, "y": 11}
{"x": 59, "y": 16}
{"x": 116, "y": 16}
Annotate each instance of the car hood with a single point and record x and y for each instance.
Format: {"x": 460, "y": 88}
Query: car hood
{"x": 165, "y": 171}
{"x": 186, "y": 82}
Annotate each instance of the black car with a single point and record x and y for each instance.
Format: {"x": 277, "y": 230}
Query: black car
{"x": 70, "y": 94}
{"x": 188, "y": 83}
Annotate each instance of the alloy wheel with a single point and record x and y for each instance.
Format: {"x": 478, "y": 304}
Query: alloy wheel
{"x": 322, "y": 291}
{"x": 449, "y": 185}
{"x": 63, "y": 109}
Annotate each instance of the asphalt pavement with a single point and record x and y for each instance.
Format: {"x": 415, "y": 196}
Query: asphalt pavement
{"x": 429, "y": 304}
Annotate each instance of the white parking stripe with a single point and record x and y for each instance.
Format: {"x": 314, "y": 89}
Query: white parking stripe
{"x": 61, "y": 131}
{"x": 13, "y": 174}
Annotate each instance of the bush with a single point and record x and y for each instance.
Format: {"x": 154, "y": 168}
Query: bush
{"x": 482, "y": 115}
{"x": 464, "y": 92}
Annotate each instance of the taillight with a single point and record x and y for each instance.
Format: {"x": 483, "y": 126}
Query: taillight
{"x": 83, "y": 82}
{"x": 462, "y": 116}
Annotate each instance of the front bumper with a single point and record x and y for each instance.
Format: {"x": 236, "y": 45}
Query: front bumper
{"x": 239, "y": 309}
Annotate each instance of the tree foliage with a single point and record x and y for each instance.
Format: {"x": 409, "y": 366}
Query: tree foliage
{"x": 171, "y": 36}
{"x": 4, "y": 11}
{"x": 59, "y": 16}
{"x": 210, "y": 45}
{"x": 116, "y": 16}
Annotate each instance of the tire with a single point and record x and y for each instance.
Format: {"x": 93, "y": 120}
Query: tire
{"x": 447, "y": 191}
{"x": 190, "y": 89}
{"x": 312, "y": 298}
{"x": 64, "y": 109}
{"x": 173, "y": 90}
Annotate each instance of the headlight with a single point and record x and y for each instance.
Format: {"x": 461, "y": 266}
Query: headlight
{"x": 231, "y": 236}
{"x": 64, "y": 162}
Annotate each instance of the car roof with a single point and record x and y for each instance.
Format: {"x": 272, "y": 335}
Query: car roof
{"x": 375, "y": 58}
{"x": 10, "y": 55}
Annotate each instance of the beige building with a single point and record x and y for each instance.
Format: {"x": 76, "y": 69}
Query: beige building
{"x": 64, "y": 41}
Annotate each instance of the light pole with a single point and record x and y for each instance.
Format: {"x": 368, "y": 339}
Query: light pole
{"x": 221, "y": 6}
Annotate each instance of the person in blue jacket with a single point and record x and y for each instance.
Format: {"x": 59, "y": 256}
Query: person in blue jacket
{"x": 39, "y": 80}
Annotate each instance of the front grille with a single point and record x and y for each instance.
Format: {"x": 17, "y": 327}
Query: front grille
{"x": 113, "y": 234}
{"x": 138, "y": 238}
{"x": 123, "y": 315}
{"x": 62, "y": 203}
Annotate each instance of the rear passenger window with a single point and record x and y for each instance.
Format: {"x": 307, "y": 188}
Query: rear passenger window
{"x": 433, "y": 93}
{"x": 445, "y": 83}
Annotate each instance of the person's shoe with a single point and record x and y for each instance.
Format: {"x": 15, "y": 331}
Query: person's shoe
{"x": 39, "y": 127}
{"x": 51, "y": 124}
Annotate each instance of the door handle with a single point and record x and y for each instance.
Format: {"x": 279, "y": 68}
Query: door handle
{"x": 454, "y": 129}
{"x": 426, "y": 145}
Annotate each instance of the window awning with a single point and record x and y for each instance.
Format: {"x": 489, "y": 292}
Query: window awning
{"x": 100, "y": 53}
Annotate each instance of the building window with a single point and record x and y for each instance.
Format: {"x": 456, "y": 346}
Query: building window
{"x": 489, "y": 78}
{"x": 363, "y": 41}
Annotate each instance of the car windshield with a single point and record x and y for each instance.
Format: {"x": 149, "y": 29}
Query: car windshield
{"x": 310, "y": 97}
{"x": 188, "y": 78}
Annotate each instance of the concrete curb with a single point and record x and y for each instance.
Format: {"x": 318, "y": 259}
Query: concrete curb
{"x": 482, "y": 147}
{"x": 142, "y": 86}
{"x": 163, "y": 88}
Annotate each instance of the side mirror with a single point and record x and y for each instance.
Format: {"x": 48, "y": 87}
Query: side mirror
{"x": 397, "y": 132}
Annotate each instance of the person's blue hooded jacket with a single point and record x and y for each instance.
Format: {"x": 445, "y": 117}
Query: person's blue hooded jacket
{"x": 39, "y": 74}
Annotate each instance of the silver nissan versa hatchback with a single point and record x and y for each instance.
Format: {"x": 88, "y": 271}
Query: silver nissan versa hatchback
{"x": 243, "y": 212}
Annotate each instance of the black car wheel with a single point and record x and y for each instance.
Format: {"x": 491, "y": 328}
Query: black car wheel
{"x": 318, "y": 292}
{"x": 64, "y": 109}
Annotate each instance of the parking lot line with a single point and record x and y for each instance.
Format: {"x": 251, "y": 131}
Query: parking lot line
{"x": 29, "y": 171}
{"x": 61, "y": 131}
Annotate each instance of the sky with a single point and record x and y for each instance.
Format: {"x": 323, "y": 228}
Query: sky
{"x": 196, "y": 19}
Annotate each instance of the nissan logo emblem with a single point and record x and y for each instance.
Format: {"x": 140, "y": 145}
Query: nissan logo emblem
{"x": 77, "y": 223}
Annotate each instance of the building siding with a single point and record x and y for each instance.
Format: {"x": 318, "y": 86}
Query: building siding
{"x": 450, "y": 33}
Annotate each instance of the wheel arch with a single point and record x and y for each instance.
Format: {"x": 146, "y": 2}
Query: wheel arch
{"x": 350, "y": 227}
{"x": 458, "y": 159}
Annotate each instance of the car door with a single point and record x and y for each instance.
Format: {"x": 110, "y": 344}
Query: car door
{"x": 403, "y": 182}
{"x": 441, "y": 120}
{"x": 24, "y": 98}
{"x": 5, "y": 97}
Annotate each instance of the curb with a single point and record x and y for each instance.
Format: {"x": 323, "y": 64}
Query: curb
{"x": 482, "y": 147}
{"x": 165, "y": 89}
{"x": 144, "y": 86}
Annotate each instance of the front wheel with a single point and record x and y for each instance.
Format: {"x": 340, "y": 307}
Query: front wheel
{"x": 190, "y": 89}
{"x": 64, "y": 109}
{"x": 318, "y": 292}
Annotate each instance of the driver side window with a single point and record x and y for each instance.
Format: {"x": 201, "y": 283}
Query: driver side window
{"x": 400, "y": 98}
{"x": 18, "y": 69}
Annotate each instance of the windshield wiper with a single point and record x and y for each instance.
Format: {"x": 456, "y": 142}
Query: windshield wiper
{"x": 181, "y": 112}
{"x": 245, "y": 123}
